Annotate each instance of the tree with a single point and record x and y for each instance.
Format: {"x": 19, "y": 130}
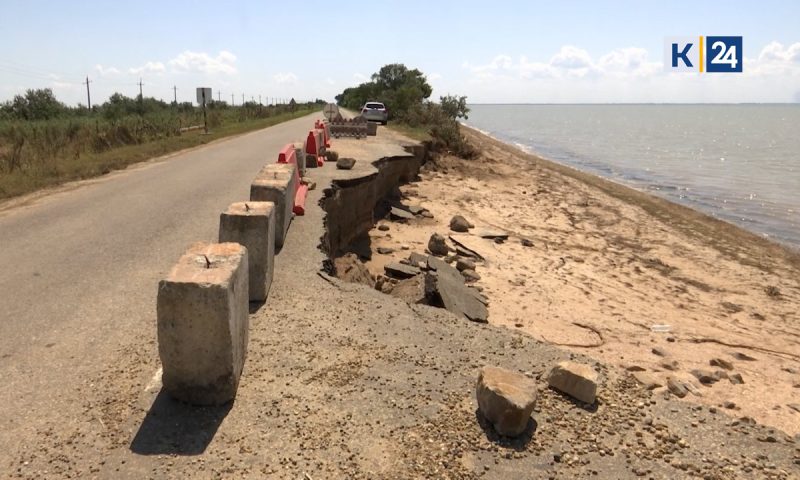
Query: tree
{"x": 454, "y": 107}
{"x": 38, "y": 104}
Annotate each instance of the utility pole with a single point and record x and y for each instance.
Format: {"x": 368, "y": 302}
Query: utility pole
{"x": 232, "y": 103}
{"x": 219, "y": 96}
{"x": 88, "y": 96}
{"x": 243, "y": 99}
{"x": 259, "y": 99}
{"x": 175, "y": 94}
{"x": 141, "y": 98}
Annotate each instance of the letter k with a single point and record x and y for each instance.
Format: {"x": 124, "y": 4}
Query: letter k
{"x": 682, "y": 54}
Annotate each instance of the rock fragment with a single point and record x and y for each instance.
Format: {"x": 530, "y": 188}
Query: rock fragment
{"x": 647, "y": 380}
{"x": 704, "y": 376}
{"x": 506, "y": 399}
{"x": 398, "y": 270}
{"x": 460, "y": 224}
{"x": 465, "y": 264}
{"x": 400, "y": 214}
{"x": 345, "y": 163}
{"x": 437, "y": 245}
{"x": 677, "y": 387}
{"x": 575, "y": 379}
{"x": 470, "y": 275}
{"x": 721, "y": 362}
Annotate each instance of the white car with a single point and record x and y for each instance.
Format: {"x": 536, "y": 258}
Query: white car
{"x": 375, "y": 112}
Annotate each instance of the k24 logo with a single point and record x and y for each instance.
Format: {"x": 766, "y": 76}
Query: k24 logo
{"x": 703, "y": 54}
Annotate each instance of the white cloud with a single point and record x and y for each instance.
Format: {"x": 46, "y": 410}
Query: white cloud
{"x": 360, "y": 77}
{"x": 434, "y": 76}
{"x": 571, "y": 58}
{"x": 149, "y": 67}
{"x": 287, "y": 78}
{"x": 330, "y": 81}
{"x": 106, "y": 71}
{"x": 201, "y": 62}
{"x": 629, "y": 74}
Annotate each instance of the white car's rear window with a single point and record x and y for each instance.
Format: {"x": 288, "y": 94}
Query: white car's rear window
{"x": 375, "y": 105}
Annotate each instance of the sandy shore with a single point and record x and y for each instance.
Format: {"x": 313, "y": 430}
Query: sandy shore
{"x": 605, "y": 264}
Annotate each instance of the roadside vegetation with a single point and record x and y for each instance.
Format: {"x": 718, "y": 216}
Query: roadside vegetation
{"x": 406, "y": 93}
{"x": 44, "y": 142}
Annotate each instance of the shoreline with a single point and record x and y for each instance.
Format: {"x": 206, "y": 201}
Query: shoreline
{"x": 605, "y": 263}
{"x": 656, "y": 205}
{"x": 787, "y": 242}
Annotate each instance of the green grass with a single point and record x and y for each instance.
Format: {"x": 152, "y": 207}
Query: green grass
{"x": 61, "y": 166}
{"x": 420, "y": 134}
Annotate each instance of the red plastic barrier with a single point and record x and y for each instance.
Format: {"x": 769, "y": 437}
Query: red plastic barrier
{"x": 312, "y": 147}
{"x": 300, "y": 199}
{"x": 287, "y": 155}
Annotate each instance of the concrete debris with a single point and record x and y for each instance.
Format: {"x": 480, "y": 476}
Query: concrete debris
{"x": 400, "y": 214}
{"x": 465, "y": 264}
{"x": 647, "y": 380}
{"x": 575, "y": 379}
{"x": 506, "y": 399}
{"x": 351, "y": 269}
{"x": 398, "y": 270}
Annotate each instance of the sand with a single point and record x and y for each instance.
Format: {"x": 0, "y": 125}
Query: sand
{"x": 607, "y": 264}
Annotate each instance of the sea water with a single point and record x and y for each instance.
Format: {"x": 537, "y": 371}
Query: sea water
{"x": 739, "y": 163}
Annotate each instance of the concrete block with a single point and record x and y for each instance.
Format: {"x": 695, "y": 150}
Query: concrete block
{"x": 277, "y": 183}
{"x": 299, "y": 152}
{"x": 202, "y": 312}
{"x": 252, "y": 224}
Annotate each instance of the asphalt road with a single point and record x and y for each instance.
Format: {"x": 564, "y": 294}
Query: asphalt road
{"x": 79, "y": 268}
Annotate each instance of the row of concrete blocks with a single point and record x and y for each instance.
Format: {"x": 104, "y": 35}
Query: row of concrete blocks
{"x": 203, "y": 303}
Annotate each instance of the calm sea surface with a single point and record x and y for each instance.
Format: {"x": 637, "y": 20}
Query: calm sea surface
{"x": 740, "y": 163}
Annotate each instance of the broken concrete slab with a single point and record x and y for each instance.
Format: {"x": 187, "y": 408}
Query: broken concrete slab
{"x": 412, "y": 290}
{"x": 252, "y": 225}
{"x": 492, "y": 234}
{"x": 449, "y": 291}
{"x": 468, "y": 245}
{"x": 400, "y": 214}
{"x": 398, "y": 270}
{"x": 577, "y": 380}
{"x": 203, "y": 322}
{"x": 416, "y": 258}
{"x": 276, "y": 183}
{"x": 506, "y": 399}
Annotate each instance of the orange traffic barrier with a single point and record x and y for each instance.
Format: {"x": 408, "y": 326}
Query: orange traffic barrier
{"x": 300, "y": 199}
{"x": 288, "y": 155}
{"x": 313, "y": 147}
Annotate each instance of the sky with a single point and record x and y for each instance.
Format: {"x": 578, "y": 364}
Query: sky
{"x": 492, "y": 52}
